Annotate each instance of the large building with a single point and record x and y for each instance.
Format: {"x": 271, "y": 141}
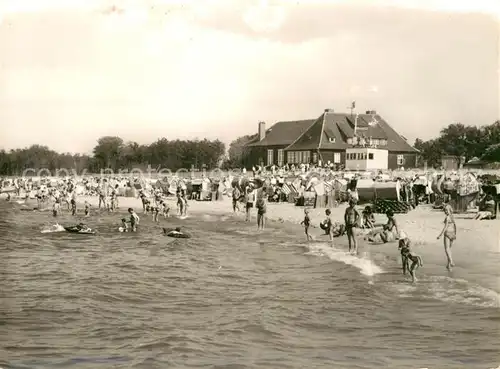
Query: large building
{"x": 327, "y": 138}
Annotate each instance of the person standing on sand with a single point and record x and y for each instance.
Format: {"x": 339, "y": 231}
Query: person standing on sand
{"x": 236, "y": 199}
{"x": 352, "y": 221}
{"x": 307, "y": 223}
{"x": 248, "y": 198}
{"x": 450, "y": 234}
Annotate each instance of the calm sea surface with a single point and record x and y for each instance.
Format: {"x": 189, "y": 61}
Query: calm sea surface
{"x": 231, "y": 298}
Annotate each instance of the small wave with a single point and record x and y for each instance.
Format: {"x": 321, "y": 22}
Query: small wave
{"x": 448, "y": 289}
{"x": 53, "y": 229}
{"x": 366, "y": 266}
{"x": 463, "y": 291}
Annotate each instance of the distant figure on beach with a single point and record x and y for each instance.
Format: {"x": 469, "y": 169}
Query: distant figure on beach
{"x": 236, "y": 199}
{"x": 450, "y": 234}
{"x": 307, "y": 223}
{"x": 327, "y": 224}
{"x": 261, "y": 205}
{"x": 368, "y": 218}
{"x": 352, "y": 221}
{"x": 73, "y": 203}
{"x": 134, "y": 220}
{"x": 407, "y": 257}
{"x": 56, "y": 207}
{"x": 86, "y": 206}
{"x": 249, "y": 200}
{"x": 487, "y": 209}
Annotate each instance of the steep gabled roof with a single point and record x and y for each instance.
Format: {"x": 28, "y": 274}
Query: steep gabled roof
{"x": 395, "y": 142}
{"x": 336, "y": 130}
{"x": 309, "y": 140}
{"x": 283, "y": 133}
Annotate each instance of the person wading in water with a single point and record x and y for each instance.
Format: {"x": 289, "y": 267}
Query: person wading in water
{"x": 352, "y": 220}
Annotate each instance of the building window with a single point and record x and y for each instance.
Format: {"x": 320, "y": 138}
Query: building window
{"x": 383, "y": 142}
{"x": 370, "y": 156}
{"x": 290, "y": 157}
{"x": 336, "y": 158}
{"x": 280, "y": 157}
{"x": 401, "y": 160}
{"x": 270, "y": 157}
{"x": 376, "y": 142}
{"x": 306, "y": 157}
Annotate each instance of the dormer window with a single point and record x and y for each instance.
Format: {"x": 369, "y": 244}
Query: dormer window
{"x": 332, "y": 139}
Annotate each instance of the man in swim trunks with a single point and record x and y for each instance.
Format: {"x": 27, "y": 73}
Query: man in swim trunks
{"x": 352, "y": 220}
{"x": 261, "y": 208}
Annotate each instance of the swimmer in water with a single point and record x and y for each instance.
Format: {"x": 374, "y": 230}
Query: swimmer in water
{"x": 450, "y": 234}
{"x": 307, "y": 223}
{"x": 408, "y": 256}
{"x": 352, "y": 220}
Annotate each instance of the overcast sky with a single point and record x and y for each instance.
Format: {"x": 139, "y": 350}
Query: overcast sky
{"x": 72, "y": 71}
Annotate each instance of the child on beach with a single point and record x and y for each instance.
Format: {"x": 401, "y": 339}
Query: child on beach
{"x": 134, "y": 220}
{"x": 86, "y": 209}
{"x": 327, "y": 224}
{"x": 307, "y": 223}
{"x": 450, "y": 234}
{"x": 124, "y": 227}
{"x": 407, "y": 256}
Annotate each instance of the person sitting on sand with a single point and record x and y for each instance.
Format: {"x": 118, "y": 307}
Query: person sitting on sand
{"x": 450, "y": 235}
{"x": 368, "y": 218}
{"x": 352, "y": 221}
{"x": 8, "y": 197}
{"x": 389, "y": 232}
{"x": 407, "y": 257}
{"x": 487, "y": 209}
{"x": 307, "y": 223}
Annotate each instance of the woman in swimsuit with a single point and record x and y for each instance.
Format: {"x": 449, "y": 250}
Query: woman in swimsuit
{"x": 450, "y": 234}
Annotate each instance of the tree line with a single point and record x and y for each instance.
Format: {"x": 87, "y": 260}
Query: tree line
{"x": 112, "y": 153}
{"x": 464, "y": 141}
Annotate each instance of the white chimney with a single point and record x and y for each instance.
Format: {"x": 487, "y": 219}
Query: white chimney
{"x": 262, "y": 130}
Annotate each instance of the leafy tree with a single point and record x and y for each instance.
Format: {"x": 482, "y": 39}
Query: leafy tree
{"x": 238, "y": 152}
{"x": 108, "y": 152}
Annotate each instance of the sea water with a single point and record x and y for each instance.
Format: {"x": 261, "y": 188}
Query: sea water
{"x": 231, "y": 297}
